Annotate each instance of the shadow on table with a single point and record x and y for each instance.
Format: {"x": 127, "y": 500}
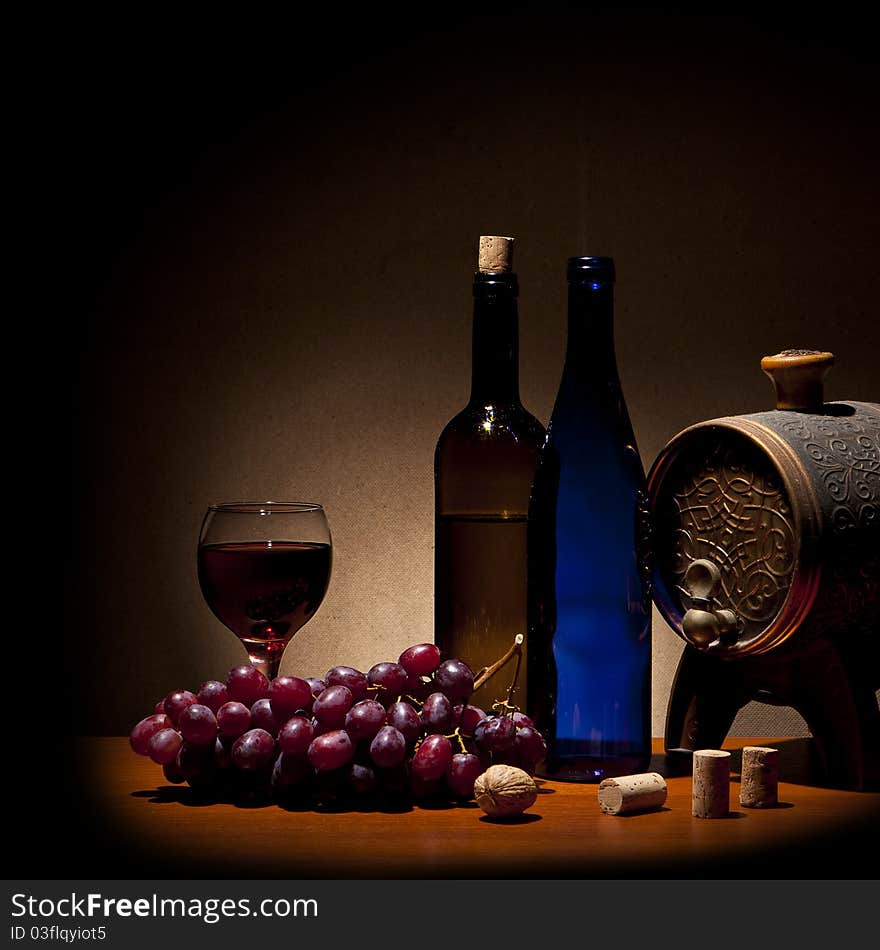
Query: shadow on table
{"x": 526, "y": 818}
{"x": 306, "y": 801}
{"x": 199, "y": 798}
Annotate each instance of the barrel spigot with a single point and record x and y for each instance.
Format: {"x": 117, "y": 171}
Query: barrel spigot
{"x": 706, "y": 624}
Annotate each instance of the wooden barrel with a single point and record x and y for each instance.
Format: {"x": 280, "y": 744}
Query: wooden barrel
{"x": 766, "y": 561}
{"x": 786, "y": 505}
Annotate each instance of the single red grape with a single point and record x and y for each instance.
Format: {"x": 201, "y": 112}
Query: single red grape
{"x": 164, "y": 746}
{"x": 246, "y": 684}
{"x": 421, "y": 659}
{"x": 263, "y": 717}
{"x": 467, "y": 718}
{"x": 388, "y": 747}
{"x": 364, "y": 719}
{"x": 197, "y": 724}
{"x": 432, "y": 758}
{"x": 351, "y": 678}
{"x": 253, "y": 750}
{"x": 175, "y": 703}
{"x": 462, "y": 773}
{"x": 405, "y": 719}
{"x": 495, "y": 734}
{"x": 233, "y": 719}
{"x": 288, "y": 695}
{"x": 213, "y": 694}
{"x": 331, "y": 750}
{"x": 172, "y": 773}
{"x": 390, "y": 677}
{"x": 145, "y": 730}
{"x": 437, "y": 714}
{"x": 331, "y": 706}
{"x": 531, "y": 747}
{"x": 295, "y": 737}
{"x": 456, "y": 679}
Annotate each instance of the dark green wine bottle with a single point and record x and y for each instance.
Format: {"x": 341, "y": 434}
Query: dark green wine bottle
{"x": 483, "y": 468}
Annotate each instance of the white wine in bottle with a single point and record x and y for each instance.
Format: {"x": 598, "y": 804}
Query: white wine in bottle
{"x": 483, "y": 468}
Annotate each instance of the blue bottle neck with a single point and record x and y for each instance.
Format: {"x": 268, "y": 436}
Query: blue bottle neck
{"x": 589, "y": 357}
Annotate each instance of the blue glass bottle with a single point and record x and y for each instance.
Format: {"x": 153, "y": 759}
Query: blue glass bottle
{"x": 589, "y": 620}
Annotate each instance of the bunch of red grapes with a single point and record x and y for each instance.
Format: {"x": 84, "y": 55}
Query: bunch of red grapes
{"x": 401, "y": 729}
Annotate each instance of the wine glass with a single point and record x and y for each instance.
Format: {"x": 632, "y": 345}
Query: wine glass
{"x": 264, "y": 568}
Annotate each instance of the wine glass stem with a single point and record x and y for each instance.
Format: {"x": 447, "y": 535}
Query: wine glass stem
{"x": 268, "y": 667}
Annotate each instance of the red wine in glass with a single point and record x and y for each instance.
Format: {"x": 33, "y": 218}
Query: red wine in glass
{"x": 264, "y": 569}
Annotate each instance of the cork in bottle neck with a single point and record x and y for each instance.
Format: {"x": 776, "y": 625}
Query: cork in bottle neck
{"x": 495, "y": 279}
{"x": 495, "y": 254}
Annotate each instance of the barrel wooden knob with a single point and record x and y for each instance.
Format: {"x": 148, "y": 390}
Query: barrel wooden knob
{"x": 798, "y": 377}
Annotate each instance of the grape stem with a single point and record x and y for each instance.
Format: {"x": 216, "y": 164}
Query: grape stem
{"x": 488, "y": 672}
{"x": 457, "y": 735}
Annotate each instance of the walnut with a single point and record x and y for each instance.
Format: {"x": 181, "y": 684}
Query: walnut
{"x": 503, "y": 791}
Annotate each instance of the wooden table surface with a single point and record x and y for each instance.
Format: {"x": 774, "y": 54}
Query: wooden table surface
{"x": 165, "y": 830}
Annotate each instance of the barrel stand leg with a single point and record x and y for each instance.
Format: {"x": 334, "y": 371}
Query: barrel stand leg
{"x": 836, "y": 698}
{"x": 706, "y": 696}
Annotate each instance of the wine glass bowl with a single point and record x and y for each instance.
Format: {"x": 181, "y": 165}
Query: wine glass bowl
{"x": 263, "y": 569}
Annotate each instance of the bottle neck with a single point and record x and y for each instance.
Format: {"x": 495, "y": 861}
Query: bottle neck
{"x": 590, "y": 349}
{"x": 495, "y": 349}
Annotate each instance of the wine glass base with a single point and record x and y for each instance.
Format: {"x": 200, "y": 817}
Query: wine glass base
{"x": 269, "y": 668}
{"x": 266, "y": 656}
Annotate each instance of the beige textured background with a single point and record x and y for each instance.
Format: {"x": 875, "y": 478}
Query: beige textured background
{"x": 282, "y": 305}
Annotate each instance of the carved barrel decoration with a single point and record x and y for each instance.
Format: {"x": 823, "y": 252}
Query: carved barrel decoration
{"x": 734, "y": 511}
